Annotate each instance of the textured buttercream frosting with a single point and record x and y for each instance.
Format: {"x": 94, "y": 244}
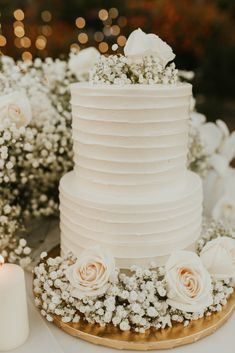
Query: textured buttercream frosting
{"x": 130, "y": 190}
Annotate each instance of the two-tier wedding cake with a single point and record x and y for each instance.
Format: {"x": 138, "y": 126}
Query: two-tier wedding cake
{"x": 131, "y": 203}
{"x": 130, "y": 190}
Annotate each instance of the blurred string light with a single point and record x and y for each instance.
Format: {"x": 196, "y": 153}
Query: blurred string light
{"x": 17, "y": 43}
{"x": 80, "y": 22}
{"x": 18, "y": 25}
{"x": 46, "y": 16}
{"x": 99, "y": 36}
{"x": 110, "y": 32}
{"x": 25, "y": 42}
{"x": 75, "y": 46}
{"x": 113, "y": 12}
{"x": 21, "y": 40}
{"x": 46, "y": 31}
{"x": 26, "y": 55}
{"x": 112, "y": 28}
{"x": 103, "y": 47}
{"x": 83, "y": 38}
{"x": 19, "y": 31}
{"x": 3, "y": 40}
{"x": 122, "y": 21}
{"x": 41, "y": 42}
{"x": 19, "y": 15}
{"x": 103, "y": 14}
{"x": 115, "y": 30}
{"x": 108, "y": 22}
{"x": 121, "y": 41}
{"x": 107, "y": 31}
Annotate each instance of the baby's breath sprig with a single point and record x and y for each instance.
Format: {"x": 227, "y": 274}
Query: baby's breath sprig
{"x": 136, "y": 301}
{"x": 121, "y": 70}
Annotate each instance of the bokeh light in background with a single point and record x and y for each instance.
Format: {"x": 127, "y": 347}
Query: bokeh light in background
{"x": 202, "y": 33}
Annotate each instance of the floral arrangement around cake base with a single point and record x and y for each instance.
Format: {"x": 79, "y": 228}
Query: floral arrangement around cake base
{"x": 190, "y": 286}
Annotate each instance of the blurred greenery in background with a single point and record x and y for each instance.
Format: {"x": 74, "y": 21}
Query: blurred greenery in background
{"x": 201, "y": 32}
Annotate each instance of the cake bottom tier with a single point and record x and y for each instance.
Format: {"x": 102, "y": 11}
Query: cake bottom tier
{"x": 136, "y": 231}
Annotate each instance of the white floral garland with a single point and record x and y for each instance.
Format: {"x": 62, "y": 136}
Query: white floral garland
{"x": 134, "y": 301}
{"x": 36, "y": 153}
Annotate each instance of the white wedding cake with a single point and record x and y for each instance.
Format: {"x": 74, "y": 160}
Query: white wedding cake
{"x": 130, "y": 191}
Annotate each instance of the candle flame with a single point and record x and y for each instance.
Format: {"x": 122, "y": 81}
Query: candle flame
{"x": 1, "y": 260}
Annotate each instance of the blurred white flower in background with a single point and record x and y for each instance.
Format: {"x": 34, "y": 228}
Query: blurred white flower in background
{"x": 219, "y": 196}
{"x": 15, "y": 108}
{"x": 225, "y": 209}
{"x": 211, "y": 152}
{"x": 81, "y": 62}
{"x": 219, "y": 184}
{"x": 218, "y": 144}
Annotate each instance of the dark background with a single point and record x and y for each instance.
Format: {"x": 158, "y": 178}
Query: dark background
{"x": 201, "y": 32}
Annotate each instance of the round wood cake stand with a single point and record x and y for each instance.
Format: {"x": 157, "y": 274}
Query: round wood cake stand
{"x": 176, "y": 336}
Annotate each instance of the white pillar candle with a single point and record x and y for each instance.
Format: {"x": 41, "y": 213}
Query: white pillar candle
{"x": 14, "y": 325}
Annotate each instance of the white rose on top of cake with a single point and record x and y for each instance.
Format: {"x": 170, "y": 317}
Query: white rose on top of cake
{"x": 130, "y": 191}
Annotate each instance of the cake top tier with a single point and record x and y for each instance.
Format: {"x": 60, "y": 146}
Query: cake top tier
{"x": 146, "y": 61}
{"x": 133, "y": 97}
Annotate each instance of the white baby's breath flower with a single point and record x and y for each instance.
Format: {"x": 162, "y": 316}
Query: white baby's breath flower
{"x": 43, "y": 255}
{"x": 124, "y": 326}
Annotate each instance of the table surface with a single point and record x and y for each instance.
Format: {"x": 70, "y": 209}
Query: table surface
{"x": 46, "y": 337}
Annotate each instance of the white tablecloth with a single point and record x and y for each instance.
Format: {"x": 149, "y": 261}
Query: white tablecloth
{"x": 47, "y": 338}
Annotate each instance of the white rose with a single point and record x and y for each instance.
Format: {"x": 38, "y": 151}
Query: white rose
{"x": 189, "y": 283}
{"x": 218, "y": 256}
{"x": 15, "y": 108}
{"x": 140, "y": 44}
{"x": 80, "y": 63}
{"x": 92, "y": 273}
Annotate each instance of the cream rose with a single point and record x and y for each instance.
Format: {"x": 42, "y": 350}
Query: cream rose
{"x": 218, "y": 257}
{"x": 140, "y": 44}
{"x": 80, "y": 63}
{"x": 91, "y": 274}
{"x": 189, "y": 283}
{"x": 15, "y": 107}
